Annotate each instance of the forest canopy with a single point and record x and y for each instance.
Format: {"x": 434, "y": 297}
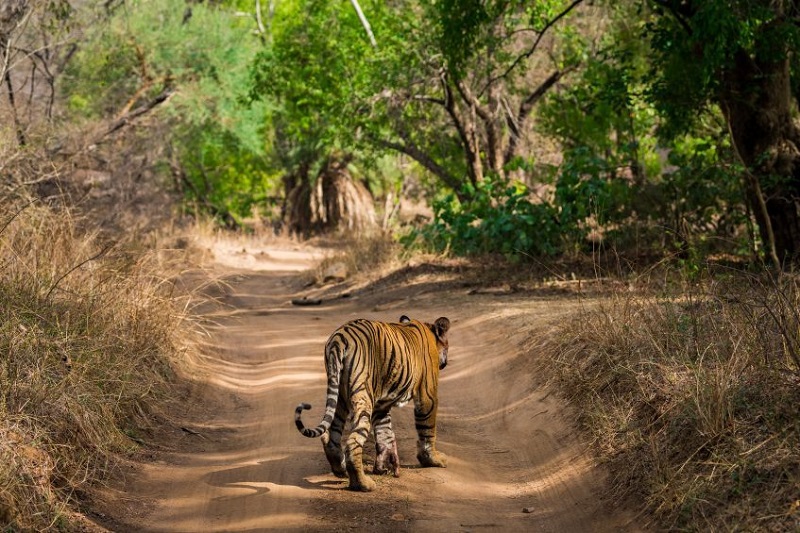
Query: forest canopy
{"x": 530, "y": 128}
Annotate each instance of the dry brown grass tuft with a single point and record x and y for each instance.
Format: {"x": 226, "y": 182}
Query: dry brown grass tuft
{"x": 87, "y": 339}
{"x": 692, "y": 400}
{"x": 359, "y": 254}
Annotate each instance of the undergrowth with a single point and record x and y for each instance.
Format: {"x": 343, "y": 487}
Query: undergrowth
{"x": 358, "y": 254}
{"x": 693, "y": 399}
{"x": 87, "y": 341}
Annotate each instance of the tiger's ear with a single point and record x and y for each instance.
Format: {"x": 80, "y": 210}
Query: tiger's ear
{"x": 404, "y": 319}
{"x": 441, "y": 327}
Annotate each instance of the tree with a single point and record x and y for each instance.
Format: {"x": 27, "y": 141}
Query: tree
{"x": 484, "y": 67}
{"x": 197, "y": 57}
{"x": 311, "y": 74}
{"x": 451, "y": 86}
{"x": 36, "y": 42}
{"x": 739, "y": 55}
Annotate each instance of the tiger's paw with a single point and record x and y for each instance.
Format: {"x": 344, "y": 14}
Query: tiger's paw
{"x": 380, "y": 469}
{"x": 432, "y": 459}
{"x": 362, "y": 484}
{"x": 335, "y": 456}
{"x": 387, "y": 459}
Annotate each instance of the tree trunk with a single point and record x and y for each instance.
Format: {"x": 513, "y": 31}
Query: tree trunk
{"x": 757, "y": 101}
{"x": 334, "y": 201}
{"x": 340, "y": 202}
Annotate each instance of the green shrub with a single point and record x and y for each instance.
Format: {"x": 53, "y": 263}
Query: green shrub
{"x": 499, "y": 218}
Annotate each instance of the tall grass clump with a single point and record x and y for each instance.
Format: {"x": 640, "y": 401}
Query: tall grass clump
{"x": 694, "y": 400}
{"x": 87, "y": 340}
{"x": 359, "y": 254}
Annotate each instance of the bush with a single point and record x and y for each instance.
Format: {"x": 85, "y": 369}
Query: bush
{"x": 87, "y": 337}
{"x": 499, "y": 218}
{"x": 692, "y": 401}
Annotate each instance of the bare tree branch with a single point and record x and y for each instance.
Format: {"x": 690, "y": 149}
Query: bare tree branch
{"x": 14, "y": 113}
{"x": 412, "y": 150}
{"x": 468, "y": 97}
{"x": 535, "y": 45}
{"x": 515, "y": 123}
{"x": 260, "y": 23}
{"x": 364, "y": 22}
{"x": 126, "y": 119}
{"x": 490, "y": 121}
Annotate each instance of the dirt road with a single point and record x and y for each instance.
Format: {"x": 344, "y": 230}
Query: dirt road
{"x": 239, "y": 464}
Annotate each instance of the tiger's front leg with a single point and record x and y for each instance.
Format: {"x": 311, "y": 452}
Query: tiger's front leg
{"x": 362, "y": 414}
{"x": 386, "y": 456}
{"x": 425, "y": 418}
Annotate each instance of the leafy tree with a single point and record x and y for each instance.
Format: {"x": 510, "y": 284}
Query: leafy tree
{"x": 487, "y": 66}
{"x": 196, "y": 57}
{"x": 310, "y": 74}
{"x": 617, "y": 172}
{"x": 454, "y": 94}
{"x": 738, "y": 55}
{"x": 313, "y": 74}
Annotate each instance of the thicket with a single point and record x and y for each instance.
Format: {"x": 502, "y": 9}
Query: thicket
{"x": 535, "y": 129}
{"x": 691, "y": 395}
{"x": 197, "y": 56}
{"x": 88, "y": 337}
{"x": 89, "y": 321}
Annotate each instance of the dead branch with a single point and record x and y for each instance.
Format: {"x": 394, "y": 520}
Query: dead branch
{"x": 527, "y": 54}
{"x": 515, "y": 123}
{"x": 127, "y": 118}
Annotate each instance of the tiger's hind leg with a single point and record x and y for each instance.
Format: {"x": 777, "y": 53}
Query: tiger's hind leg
{"x": 425, "y": 406}
{"x": 386, "y": 457}
{"x": 354, "y": 452}
{"x": 332, "y": 440}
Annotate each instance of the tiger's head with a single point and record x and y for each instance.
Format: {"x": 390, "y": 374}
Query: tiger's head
{"x": 439, "y": 330}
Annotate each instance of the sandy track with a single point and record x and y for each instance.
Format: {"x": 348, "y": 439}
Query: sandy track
{"x": 242, "y": 465}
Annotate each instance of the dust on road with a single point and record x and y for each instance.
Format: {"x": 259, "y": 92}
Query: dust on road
{"x": 239, "y": 463}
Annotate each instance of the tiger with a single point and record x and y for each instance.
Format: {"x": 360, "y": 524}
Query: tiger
{"x": 372, "y": 366}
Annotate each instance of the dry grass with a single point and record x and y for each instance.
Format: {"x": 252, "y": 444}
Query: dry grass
{"x": 692, "y": 400}
{"x": 359, "y": 254}
{"x": 87, "y": 341}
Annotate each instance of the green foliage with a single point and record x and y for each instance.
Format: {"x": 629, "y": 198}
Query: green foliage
{"x": 311, "y": 74}
{"x": 703, "y": 193}
{"x": 616, "y": 169}
{"x": 476, "y": 32}
{"x": 150, "y": 46}
{"x": 461, "y": 26}
{"x": 499, "y": 218}
{"x": 225, "y": 174}
{"x": 587, "y": 187}
{"x": 689, "y": 66}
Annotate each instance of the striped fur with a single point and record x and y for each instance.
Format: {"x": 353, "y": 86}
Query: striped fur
{"x": 371, "y": 367}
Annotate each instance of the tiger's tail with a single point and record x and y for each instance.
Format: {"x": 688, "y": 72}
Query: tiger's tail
{"x": 312, "y": 432}
{"x": 332, "y": 353}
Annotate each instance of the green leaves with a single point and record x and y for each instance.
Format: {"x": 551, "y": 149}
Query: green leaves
{"x": 694, "y": 53}
{"x": 313, "y": 76}
{"x": 218, "y": 136}
{"x": 500, "y": 218}
{"x": 461, "y": 25}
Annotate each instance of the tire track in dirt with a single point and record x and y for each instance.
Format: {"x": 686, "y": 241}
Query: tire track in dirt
{"x": 246, "y": 468}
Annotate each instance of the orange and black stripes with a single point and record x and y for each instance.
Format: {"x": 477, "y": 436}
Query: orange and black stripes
{"x": 372, "y": 366}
